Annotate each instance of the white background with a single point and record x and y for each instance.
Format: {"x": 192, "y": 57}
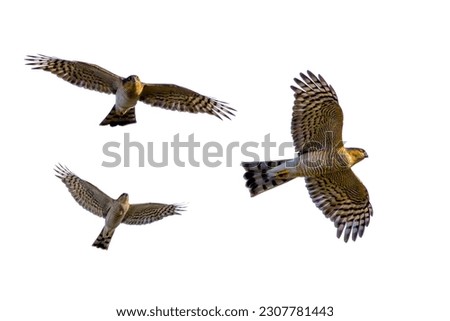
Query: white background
{"x": 389, "y": 64}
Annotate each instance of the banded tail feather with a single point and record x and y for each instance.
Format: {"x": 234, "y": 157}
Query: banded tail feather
{"x": 262, "y": 176}
{"x": 114, "y": 119}
{"x": 102, "y": 242}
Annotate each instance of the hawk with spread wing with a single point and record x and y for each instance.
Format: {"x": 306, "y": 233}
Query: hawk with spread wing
{"x": 322, "y": 159}
{"x": 113, "y": 211}
{"x": 129, "y": 90}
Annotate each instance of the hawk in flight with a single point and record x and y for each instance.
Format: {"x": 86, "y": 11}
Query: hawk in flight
{"x": 129, "y": 90}
{"x": 113, "y": 211}
{"x": 322, "y": 159}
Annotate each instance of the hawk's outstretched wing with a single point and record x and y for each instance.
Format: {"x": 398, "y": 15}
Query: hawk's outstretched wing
{"x": 78, "y": 73}
{"x": 86, "y": 194}
{"x": 139, "y": 214}
{"x": 317, "y": 118}
{"x": 175, "y": 97}
{"x": 342, "y": 198}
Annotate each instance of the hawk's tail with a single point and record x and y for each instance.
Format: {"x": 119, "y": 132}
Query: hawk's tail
{"x": 114, "y": 119}
{"x": 262, "y": 176}
{"x": 103, "y": 241}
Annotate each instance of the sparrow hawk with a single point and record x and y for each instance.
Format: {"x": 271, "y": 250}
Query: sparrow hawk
{"x": 113, "y": 211}
{"x": 317, "y": 121}
{"x": 129, "y": 90}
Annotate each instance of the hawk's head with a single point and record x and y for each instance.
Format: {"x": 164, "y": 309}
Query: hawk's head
{"x": 123, "y": 198}
{"x": 131, "y": 79}
{"x": 133, "y": 86}
{"x": 123, "y": 203}
{"x": 356, "y": 155}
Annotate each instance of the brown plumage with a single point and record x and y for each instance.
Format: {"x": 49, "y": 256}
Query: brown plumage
{"x": 317, "y": 121}
{"x": 113, "y": 211}
{"x": 129, "y": 90}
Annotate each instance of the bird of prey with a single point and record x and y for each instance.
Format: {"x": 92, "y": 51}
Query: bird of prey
{"x": 129, "y": 90}
{"x": 316, "y": 128}
{"x": 113, "y": 211}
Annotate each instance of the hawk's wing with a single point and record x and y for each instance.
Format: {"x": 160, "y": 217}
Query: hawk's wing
{"x": 139, "y": 214}
{"x": 343, "y": 198}
{"x": 175, "y": 97}
{"x": 317, "y": 117}
{"x": 86, "y": 194}
{"x": 78, "y": 73}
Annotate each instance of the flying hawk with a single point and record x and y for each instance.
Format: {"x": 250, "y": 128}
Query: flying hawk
{"x": 114, "y": 211}
{"x": 322, "y": 159}
{"x": 129, "y": 90}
